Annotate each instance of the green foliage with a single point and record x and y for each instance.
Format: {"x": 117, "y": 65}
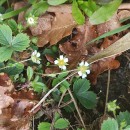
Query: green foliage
{"x": 70, "y": 107}
{"x": 77, "y": 14}
{"x": 88, "y": 7}
{"x": 44, "y": 126}
{"x": 38, "y": 86}
{"x": 123, "y": 117}
{"x": 56, "y": 2}
{"x": 29, "y": 73}
{"x": 104, "y": 13}
{"x": 38, "y": 8}
{"x": 109, "y": 124}
{"x": 61, "y": 123}
{"x": 85, "y": 97}
{"x": 10, "y": 44}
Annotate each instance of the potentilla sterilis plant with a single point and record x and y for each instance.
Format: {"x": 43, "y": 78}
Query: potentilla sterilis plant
{"x": 35, "y": 57}
{"x": 61, "y": 62}
{"x": 83, "y": 69}
{"x": 32, "y": 20}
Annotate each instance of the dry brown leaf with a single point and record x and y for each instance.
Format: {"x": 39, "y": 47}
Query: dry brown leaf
{"x": 123, "y": 14}
{"x": 61, "y": 26}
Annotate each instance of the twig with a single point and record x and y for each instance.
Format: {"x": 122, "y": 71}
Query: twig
{"x": 76, "y": 106}
{"x": 61, "y": 99}
{"x": 65, "y": 104}
{"x": 49, "y": 92}
{"x": 107, "y": 92}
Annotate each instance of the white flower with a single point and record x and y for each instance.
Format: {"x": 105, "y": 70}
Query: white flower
{"x": 35, "y": 57}
{"x": 83, "y": 69}
{"x": 1, "y": 17}
{"x": 61, "y": 62}
{"x": 32, "y": 20}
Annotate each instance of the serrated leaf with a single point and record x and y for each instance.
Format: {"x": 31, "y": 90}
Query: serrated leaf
{"x": 20, "y": 42}
{"x": 85, "y": 97}
{"x": 77, "y": 14}
{"x": 109, "y": 124}
{"x": 5, "y": 53}
{"x": 61, "y": 123}
{"x": 39, "y": 87}
{"x": 13, "y": 25}
{"x": 104, "y": 13}
{"x": 5, "y": 35}
{"x": 124, "y": 116}
{"x": 56, "y": 2}
{"x": 29, "y": 73}
{"x": 44, "y": 126}
{"x": 16, "y": 68}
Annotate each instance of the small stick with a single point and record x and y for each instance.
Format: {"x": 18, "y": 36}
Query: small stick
{"x": 76, "y": 106}
{"x": 107, "y": 93}
{"x": 49, "y": 92}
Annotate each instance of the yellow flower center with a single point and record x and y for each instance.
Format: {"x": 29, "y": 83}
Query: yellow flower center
{"x": 61, "y": 62}
{"x": 83, "y": 69}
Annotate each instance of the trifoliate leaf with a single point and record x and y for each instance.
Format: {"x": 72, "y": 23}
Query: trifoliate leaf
{"x": 56, "y": 2}
{"x": 109, "y": 124}
{"x": 5, "y": 35}
{"x": 20, "y": 42}
{"x": 85, "y": 97}
{"x": 77, "y": 14}
{"x": 104, "y": 13}
{"x": 44, "y": 126}
{"x": 5, "y": 53}
{"x": 61, "y": 123}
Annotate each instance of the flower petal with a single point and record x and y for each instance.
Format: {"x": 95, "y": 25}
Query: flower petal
{"x": 81, "y": 64}
{"x": 64, "y": 67}
{"x": 65, "y": 59}
{"x": 79, "y": 73}
{"x": 38, "y": 54}
{"x": 56, "y": 62}
{"x": 61, "y": 57}
{"x": 86, "y": 64}
{"x": 84, "y": 76}
{"x": 88, "y": 71}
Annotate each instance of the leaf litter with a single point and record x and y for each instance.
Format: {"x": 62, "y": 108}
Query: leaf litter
{"x": 56, "y": 24}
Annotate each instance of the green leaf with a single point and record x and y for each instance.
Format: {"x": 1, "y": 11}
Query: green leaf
{"x": 39, "y": 8}
{"x": 104, "y": 13}
{"x": 85, "y": 97}
{"x": 5, "y": 35}
{"x": 61, "y": 123}
{"x": 56, "y": 2}
{"x": 70, "y": 107}
{"x": 13, "y": 25}
{"x": 5, "y": 53}
{"x": 127, "y": 128}
{"x": 20, "y": 42}
{"x": 124, "y": 116}
{"x": 109, "y": 124}
{"x": 15, "y": 68}
{"x": 29, "y": 73}
{"x": 89, "y": 7}
{"x": 39, "y": 87}
{"x": 77, "y": 14}
{"x": 44, "y": 126}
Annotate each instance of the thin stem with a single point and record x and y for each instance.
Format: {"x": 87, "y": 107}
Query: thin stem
{"x": 76, "y": 106}
{"x": 107, "y": 92}
{"x": 56, "y": 73}
{"x": 49, "y": 92}
{"x": 14, "y": 64}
